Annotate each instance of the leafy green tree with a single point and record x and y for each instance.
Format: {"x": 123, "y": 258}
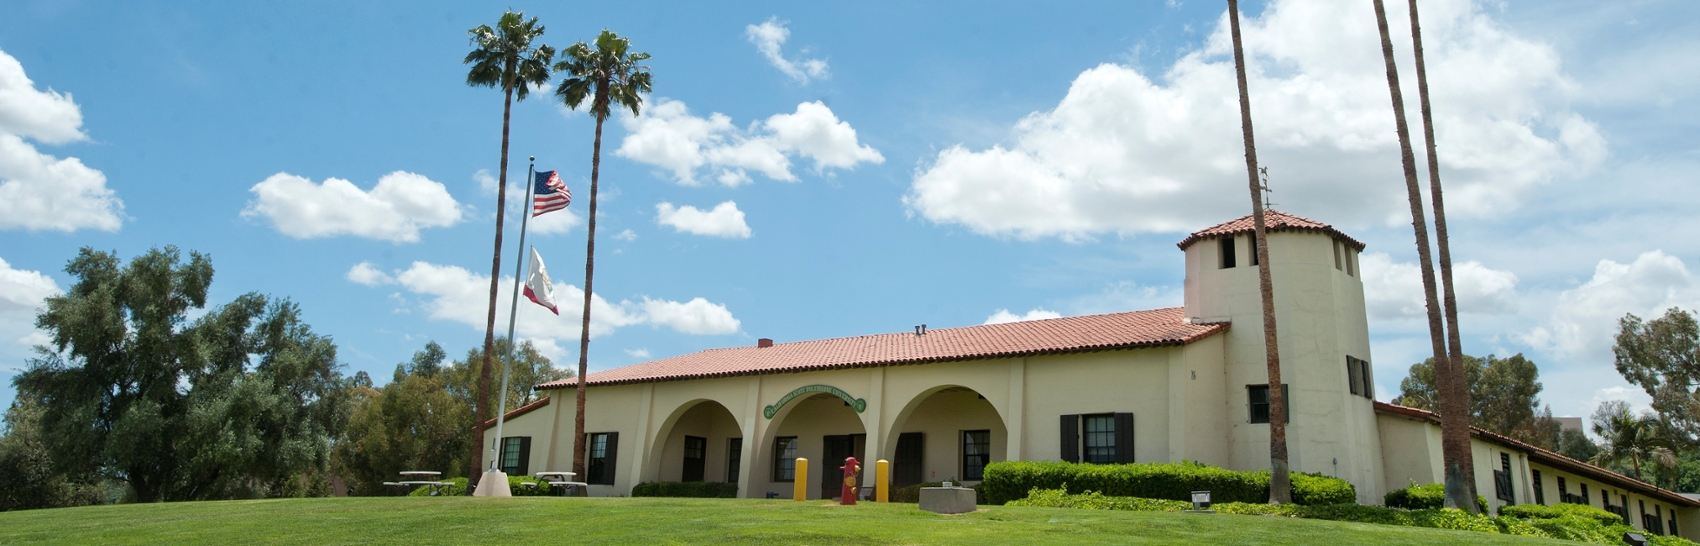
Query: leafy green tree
{"x": 1504, "y": 396}
{"x": 1662, "y": 356}
{"x": 527, "y": 368}
{"x": 504, "y": 57}
{"x": 412, "y": 423}
{"x": 1576, "y": 445}
{"x": 131, "y": 390}
{"x": 607, "y": 75}
{"x": 27, "y": 479}
{"x": 1625, "y": 436}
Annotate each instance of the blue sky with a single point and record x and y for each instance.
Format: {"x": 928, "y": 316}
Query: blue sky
{"x": 887, "y": 165}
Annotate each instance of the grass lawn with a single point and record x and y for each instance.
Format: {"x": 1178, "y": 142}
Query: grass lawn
{"x": 414, "y": 520}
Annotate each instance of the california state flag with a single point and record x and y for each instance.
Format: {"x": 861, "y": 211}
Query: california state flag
{"x": 537, "y": 285}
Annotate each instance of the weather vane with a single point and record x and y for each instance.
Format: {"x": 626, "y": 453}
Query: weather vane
{"x": 1267, "y": 203}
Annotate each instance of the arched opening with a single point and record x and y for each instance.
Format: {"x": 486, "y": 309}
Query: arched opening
{"x": 821, "y": 428}
{"x": 945, "y": 433}
{"x": 703, "y": 445}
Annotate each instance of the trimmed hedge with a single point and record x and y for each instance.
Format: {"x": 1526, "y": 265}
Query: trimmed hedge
{"x": 1011, "y": 480}
{"x": 1571, "y": 523}
{"x": 703, "y": 490}
{"x": 459, "y": 487}
{"x": 1556, "y": 511}
{"x": 1423, "y": 497}
{"x": 912, "y": 493}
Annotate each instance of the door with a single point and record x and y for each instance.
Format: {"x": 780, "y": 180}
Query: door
{"x": 834, "y": 449}
{"x": 907, "y": 469}
{"x": 696, "y": 458}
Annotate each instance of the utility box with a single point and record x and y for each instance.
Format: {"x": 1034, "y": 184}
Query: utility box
{"x": 947, "y": 500}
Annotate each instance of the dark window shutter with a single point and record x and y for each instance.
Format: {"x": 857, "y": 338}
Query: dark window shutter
{"x": 1353, "y": 375}
{"x": 1071, "y": 438}
{"x": 1124, "y": 438}
{"x": 612, "y": 460}
{"x": 1369, "y": 380}
{"x": 525, "y": 455}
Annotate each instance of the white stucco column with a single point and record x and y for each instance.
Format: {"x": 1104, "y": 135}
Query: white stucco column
{"x": 1015, "y": 414}
{"x": 1179, "y": 375}
{"x": 752, "y": 426}
{"x": 874, "y": 422}
{"x": 641, "y": 455}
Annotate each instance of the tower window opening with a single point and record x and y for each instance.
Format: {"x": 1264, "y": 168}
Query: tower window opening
{"x": 1252, "y": 238}
{"x": 1351, "y": 258}
{"x": 1227, "y": 258}
{"x": 1336, "y": 254}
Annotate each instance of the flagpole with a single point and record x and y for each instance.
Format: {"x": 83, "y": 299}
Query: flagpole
{"x": 513, "y": 311}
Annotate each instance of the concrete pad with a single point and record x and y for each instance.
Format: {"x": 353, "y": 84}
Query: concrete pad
{"x": 947, "y": 500}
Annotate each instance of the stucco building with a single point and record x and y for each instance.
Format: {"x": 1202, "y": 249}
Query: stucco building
{"x": 1143, "y": 386}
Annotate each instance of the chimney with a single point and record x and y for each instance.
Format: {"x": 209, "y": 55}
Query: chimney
{"x": 764, "y": 343}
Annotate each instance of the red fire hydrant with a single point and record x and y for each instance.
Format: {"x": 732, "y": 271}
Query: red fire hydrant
{"x": 851, "y": 467}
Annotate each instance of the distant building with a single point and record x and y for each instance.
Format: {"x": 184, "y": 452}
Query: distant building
{"x": 1143, "y": 386}
{"x": 1564, "y": 423}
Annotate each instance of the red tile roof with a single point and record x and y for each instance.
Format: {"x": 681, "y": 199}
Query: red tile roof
{"x": 1154, "y": 328}
{"x": 516, "y": 412}
{"x": 1549, "y": 458}
{"x": 1274, "y": 220}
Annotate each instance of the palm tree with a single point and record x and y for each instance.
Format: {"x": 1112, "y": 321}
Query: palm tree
{"x": 1280, "y": 486}
{"x": 1454, "y": 425}
{"x": 607, "y": 75}
{"x": 1456, "y": 394}
{"x": 502, "y": 57}
{"x": 1625, "y": 436}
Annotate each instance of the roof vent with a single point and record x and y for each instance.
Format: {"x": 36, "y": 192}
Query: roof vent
{"x": 764, "y": 343}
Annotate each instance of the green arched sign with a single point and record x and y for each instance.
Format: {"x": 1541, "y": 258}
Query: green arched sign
{"x": 857, "y": 404}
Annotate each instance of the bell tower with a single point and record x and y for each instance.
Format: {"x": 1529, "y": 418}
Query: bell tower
{"x": 1323, "y": 334}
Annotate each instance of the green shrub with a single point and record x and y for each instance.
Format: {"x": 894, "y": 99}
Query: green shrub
{"x": 514, "y": 484}
{"x": 912, "y": 493}
{"x": 1059, "y": 498}
{"x": 1538, "y": 511}
{"x": 1423, "y": 497}
{"x": 705, "y": 490}
{"x": 1010, "y": 480}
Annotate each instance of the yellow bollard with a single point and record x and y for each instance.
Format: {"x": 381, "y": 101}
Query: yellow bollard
{"x": 882, "y": 479}
{"x": 800, "y": 480}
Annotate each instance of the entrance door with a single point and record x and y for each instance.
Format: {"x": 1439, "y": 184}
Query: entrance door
{"x": 696, "y": 458}
{"x": 834, "y": 450}
{"x": 907, "y": 469}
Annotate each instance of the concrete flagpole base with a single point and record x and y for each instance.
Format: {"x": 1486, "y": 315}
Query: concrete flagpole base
{"x": 493, "y": 484}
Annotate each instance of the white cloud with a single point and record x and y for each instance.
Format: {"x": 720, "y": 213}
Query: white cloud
{"x": 455, "y": 294}
{"x": 22, "y": 295}
{"x": 670, "y": 138}
{"x": 365, "y": 273}
{"x": 1125, "y": 153}
{"x": 40, "y": 191}
{"x": 394, "y": 210}
{"x": 1584, "y": 319}
{"x": 1003, "y": 316}
{"x": 724, "y": 220}
{"x": 769, "y": 36}
{"x": 1394, "y": 290}
{"x": 1637, "y": 398}
{"x": 637, "y": 353}
{"x": 627, "y": 235}
{"x": 697, "y": 316}
{"x": 552, "y": 223}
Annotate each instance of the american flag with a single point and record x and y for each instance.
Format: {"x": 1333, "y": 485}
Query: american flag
{"x": 550, "y": 194}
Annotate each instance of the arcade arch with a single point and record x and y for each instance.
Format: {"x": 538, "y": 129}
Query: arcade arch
{"x": 948, "y": 432}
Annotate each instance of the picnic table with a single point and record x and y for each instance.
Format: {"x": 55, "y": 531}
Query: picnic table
{"x": 563, "y": 480}
{"x": 425, "y": 478}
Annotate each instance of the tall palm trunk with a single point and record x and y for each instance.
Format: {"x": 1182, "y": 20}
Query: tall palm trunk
{"x": 1455, "y": 397}
{"x": 482, "y": 404}
{"x": 589, "y": 274}
{"x": 1455, "y": 442}
{"x": 1280, "y": 486}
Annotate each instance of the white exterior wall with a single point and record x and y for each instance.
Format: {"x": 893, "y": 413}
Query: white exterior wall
{"x": 1320, "y": 320}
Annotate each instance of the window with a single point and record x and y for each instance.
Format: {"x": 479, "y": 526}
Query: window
{"x": 516, "y": 455}
{"x": 785, "y": 459}
{"x": 696, "y": 459}
{"x": 1103, "y": 438}
{"x": 1259, "y": 397}
{"x": 976, "y": 452}
{"x": 1251, "y": 246}
{"x": 1540, "y": 496}
{"x": 1354, "y": 378}
{"x": 1336, "y": 254}
{"x": 734, "y": 459}
{"x": 602, "y": 457}
{"x": 1351, "y": 259}
{"x": 1583, "y": 499}
{"x": 1502, "y": 489}
{"x": 1227, "y": 258}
